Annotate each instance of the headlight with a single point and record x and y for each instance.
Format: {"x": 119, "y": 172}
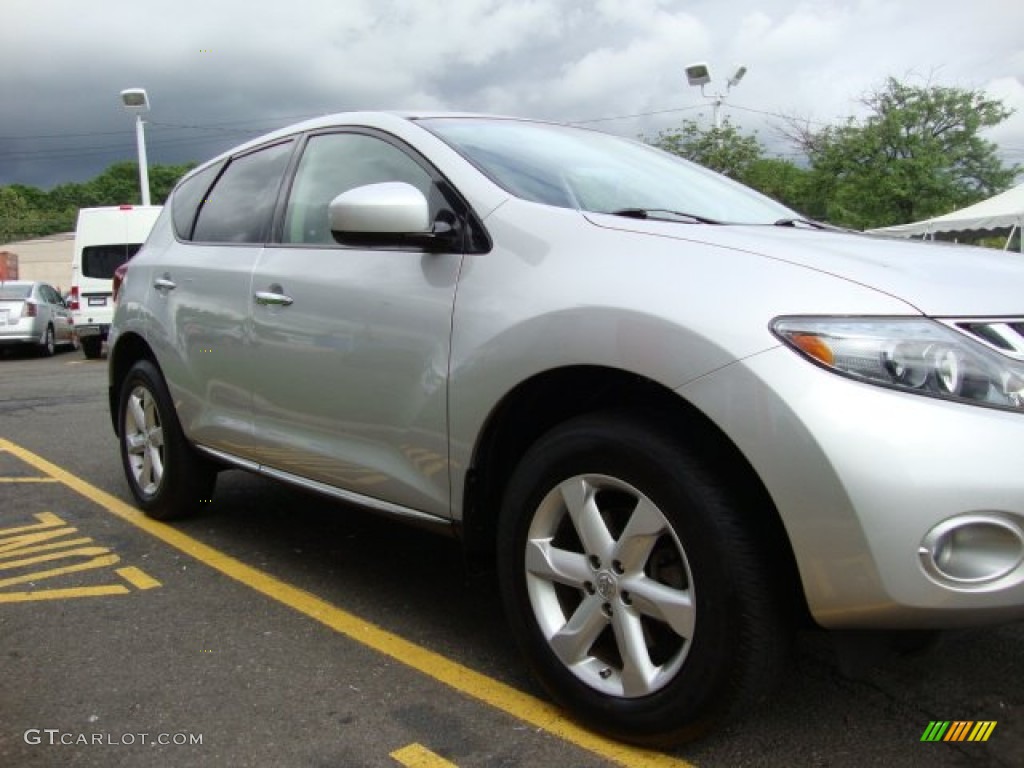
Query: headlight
{"x": 914, "y": 355}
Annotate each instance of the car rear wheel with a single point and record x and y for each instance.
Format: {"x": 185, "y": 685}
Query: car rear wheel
{"x": 92, "y": 346}
{"x": 633, "y": 584}
{"x": 47, "y": 346}
{"x": 167, "y": 477}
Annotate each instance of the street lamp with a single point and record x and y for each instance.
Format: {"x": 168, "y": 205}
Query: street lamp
{"x": 136, "y": 102}
{"x": 699, "y": 74}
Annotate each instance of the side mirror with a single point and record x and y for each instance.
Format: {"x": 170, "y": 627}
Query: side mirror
{"x": 390, "y": 213}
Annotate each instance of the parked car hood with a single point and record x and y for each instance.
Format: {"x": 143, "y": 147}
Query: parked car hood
{"x": 939, "y": 279}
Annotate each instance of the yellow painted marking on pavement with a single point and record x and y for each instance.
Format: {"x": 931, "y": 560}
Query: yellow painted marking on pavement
{"x": 28, "y": 480}
{"x": 418, "y": 756}
{"x": 80, "y": 552}
{"x": 46, "y": 520}
{"x": 137, "y": 578}
{"x": 20, "y": 541}
{"x": 63, "y": 594}
{"x": 96, "y": 562}
{"x": 43, "y": 548}
{"x": 504, "y": 697}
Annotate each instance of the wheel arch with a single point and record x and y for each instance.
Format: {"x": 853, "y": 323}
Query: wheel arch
{"x": 130, "y": 348}
{"x": 540, "y": 403}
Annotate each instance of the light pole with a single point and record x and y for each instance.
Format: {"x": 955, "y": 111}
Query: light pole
{"x": 700, "y": 74}
{"x": 136, "y": 101}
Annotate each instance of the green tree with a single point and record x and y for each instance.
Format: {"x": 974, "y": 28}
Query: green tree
{"x": 723, "y": 149}
{"x": 918, "y": 153}
{"x": 27, "y": 212}
{"x": 739, "y": 156}
{"x": 784, "y": 181}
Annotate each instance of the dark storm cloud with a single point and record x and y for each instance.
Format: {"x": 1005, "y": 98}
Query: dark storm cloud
{"x": 220, "y": 73}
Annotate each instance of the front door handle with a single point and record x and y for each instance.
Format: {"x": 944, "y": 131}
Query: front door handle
{"x": 273, "y": 299}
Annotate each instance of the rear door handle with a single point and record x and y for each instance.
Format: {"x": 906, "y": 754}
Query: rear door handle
{"x": 164, "y": 284}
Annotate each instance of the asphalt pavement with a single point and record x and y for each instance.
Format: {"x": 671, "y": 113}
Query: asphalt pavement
{"x": 284, "y": 629}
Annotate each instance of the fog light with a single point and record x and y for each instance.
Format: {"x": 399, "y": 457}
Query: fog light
{"x": 973, "y": 549}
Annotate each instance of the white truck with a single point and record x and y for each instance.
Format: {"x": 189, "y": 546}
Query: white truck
{"x": 105, "y": 238}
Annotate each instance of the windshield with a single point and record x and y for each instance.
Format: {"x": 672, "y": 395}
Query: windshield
{"x": 591, "y": 171}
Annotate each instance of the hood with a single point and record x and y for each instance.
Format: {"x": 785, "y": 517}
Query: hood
{"x": 938, "y": 279}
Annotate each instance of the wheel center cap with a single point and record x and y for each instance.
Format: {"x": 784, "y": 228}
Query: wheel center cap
{"x": 606, "y": 585}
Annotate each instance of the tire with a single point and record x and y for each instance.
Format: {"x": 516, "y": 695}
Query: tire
{"x": 168, "y": 479}
{"x": 92, "y": 347}
{"x": 666, "y": 622}
{"x": 48, "y": 346}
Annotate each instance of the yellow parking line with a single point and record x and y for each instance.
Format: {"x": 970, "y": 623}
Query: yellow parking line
{"x": 529, "y": 709}
{"x": 63, "y": 594}
{"x": 137, "y": 578}
{"x": 28, "y": 480}
{"x": 418, "y": 756}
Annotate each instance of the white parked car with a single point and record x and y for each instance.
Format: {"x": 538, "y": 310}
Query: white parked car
{"x": 674, "y": 414}
{"x": 33, "y": 313}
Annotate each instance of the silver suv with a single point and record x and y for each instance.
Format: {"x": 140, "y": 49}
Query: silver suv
{"x": 675, "y": 415}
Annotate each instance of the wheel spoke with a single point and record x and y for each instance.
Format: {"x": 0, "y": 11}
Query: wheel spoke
{"x": 572, "y": 643}
{"x": 646, "y": 524}
{"x": 135, "y": 443}
{"x": 659, "y": 601}
{"x": 580, "y": 501}
{"x": 136, "y": 412}
{"x": 145, "y": 472}
{"x": 157, "y": 463}
{"x": 638, "y": 672}
{"x": 557, "y": 565}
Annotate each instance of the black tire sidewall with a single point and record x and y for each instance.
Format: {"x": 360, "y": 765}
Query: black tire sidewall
{"x": 704, "y": 688}
{"x": 92, "y": 347}
{"x": 48, "y": 346}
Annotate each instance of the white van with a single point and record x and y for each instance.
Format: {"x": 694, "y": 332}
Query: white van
{"x": 105, "y": 238}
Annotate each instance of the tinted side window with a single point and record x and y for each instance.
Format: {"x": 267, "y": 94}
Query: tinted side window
{"x": 337, "y": 162}
{"x": 100, "y": 261}
{"x": 241, "y": 204}
{"x": 188, "y": 197}
{"x": 50, "y": 295}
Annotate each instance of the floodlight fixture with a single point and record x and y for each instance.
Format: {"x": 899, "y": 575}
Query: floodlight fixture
{"x": 737, "y": 76}
{"x": 698, "y": 73}
{"x": 136, "y": 101}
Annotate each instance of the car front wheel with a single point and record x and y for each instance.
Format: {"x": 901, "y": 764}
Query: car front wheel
{"x": 167, "y": 477}
{"x": 634, "y": 585}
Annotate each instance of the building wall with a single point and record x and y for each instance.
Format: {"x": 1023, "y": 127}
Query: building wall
{"x": 47, "y": 259}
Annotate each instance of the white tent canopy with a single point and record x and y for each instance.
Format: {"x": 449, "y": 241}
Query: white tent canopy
{"x": 999, "y": 215}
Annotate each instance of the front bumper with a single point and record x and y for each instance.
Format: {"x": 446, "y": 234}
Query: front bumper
{"x": 902, "y": 511}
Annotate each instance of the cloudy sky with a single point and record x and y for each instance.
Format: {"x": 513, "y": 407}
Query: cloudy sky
{"x": 219, "y": 72}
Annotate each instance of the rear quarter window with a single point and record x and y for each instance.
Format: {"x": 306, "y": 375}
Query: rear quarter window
{"x": 187, "y": 198}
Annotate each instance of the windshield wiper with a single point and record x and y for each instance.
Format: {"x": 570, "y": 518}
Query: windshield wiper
{"x": 795, "y": 222}
{"x": 659, "y": 214}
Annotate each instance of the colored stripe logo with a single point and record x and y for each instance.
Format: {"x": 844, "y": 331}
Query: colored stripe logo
{"x": 958, "y": 730}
